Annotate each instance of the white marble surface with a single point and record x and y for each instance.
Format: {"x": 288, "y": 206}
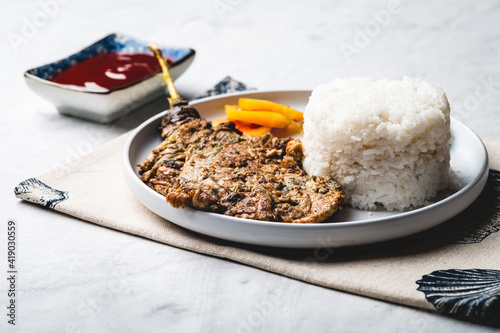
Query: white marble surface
{"x": 78, "y": 277}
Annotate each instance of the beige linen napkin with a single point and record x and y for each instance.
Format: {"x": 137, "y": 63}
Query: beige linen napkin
{"x": 453, "y": 268}
{"x": 433, "y": 270}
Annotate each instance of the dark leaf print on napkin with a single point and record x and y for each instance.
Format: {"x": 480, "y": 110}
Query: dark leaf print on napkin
{"x": 226, "y": 86}
{"x": 472, "y": 294}
{"x": 36, "y": 191}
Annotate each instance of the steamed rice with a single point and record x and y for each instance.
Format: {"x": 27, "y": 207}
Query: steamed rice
{"x": 386, "y": 142}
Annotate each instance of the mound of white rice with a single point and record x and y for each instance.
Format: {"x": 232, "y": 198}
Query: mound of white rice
{"x": 386, "y": 142}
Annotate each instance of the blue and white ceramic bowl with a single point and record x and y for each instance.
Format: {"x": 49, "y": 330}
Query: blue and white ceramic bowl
{"x": 108, "y": 105}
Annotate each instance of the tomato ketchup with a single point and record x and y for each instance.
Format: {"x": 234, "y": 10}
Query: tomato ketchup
{"x": 109, "y": 71}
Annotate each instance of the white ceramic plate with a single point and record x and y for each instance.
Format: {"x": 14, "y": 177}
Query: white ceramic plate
{"x": 350, "y": 227}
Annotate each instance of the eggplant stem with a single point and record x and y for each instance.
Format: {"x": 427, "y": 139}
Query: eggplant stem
{"x": 174, "y": 99}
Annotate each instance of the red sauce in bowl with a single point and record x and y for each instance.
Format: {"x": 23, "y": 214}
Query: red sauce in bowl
{"x": 109, "y": 71}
